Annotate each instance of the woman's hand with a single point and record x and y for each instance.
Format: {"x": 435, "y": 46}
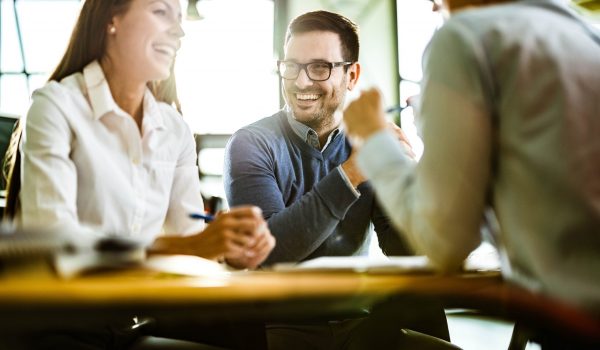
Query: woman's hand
{"x": 240, "y": 236}
{"x": 255, "y": 254}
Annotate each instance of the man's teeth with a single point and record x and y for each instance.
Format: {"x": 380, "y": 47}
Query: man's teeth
{"x": 305, "y": 97}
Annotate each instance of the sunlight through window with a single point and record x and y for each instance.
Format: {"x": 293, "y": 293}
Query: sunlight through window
{"x": 34, "y": 35}
{"x": 416, "y": 25}
{"x": 225, "y": 68}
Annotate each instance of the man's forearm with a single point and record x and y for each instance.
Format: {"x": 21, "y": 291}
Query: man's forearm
{"x": 306, "y": 224}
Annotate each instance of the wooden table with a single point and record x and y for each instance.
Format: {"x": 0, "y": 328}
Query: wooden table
{"x": 34, "y": 303}
{"x": 31, "y": 302}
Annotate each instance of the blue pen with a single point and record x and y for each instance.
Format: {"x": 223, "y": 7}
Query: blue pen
{"x": 202, "y": 216}
{"x": 397, "y": 108}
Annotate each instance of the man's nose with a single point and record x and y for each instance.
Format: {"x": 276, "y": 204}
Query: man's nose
{"x": 302, "y": 80}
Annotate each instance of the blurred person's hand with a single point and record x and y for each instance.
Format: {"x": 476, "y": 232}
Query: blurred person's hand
{"x": 396, "y": 130}
{"x": 351, "y": 170}
{"x": 365, "y": 116}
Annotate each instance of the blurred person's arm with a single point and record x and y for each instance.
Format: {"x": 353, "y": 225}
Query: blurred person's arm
{"x": 439, "y": 201}
{"x": 391, "y": 241}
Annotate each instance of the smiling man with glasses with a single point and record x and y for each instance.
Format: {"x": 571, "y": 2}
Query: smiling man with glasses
{"x": 297, "y": 166}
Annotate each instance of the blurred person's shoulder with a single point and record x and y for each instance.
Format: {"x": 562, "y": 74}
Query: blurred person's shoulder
{"x": 511, "y": 19}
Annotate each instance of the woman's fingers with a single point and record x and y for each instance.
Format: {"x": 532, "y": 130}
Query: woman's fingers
{"x": 243, "y": 235}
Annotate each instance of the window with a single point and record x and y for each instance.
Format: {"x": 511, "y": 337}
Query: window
{"x": 33, "y": 37}
{"x": 416, "y": 25}
{"x": 225, "y": 68}
{"x": 226, "y": 76}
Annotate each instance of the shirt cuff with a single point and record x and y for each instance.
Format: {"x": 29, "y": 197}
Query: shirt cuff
{"x": 379, "y": 151}
{"x": 347, "y": 181}
{"x": 335, "y": 194}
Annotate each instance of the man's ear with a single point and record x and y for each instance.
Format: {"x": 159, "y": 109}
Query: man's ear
{"x": 353, "y": 74}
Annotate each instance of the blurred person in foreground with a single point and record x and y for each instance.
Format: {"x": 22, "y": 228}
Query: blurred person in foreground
{"x": 510, "y": 118}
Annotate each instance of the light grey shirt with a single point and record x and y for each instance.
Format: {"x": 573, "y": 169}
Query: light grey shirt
{"x": 510, "y": 119}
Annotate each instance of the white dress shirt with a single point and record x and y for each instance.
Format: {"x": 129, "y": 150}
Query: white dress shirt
{"x": 85, "y": 162}
{"x": 510, "y": 119}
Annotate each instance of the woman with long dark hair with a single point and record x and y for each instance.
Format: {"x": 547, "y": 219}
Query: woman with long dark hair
{"x": 104, "y": 147}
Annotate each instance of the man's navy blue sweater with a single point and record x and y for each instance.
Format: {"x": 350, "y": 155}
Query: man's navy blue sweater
{"x": 310, "y": 209}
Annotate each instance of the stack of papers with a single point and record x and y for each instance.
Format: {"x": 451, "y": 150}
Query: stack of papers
{"x": 186, "y": 265}
{"x": 482, "y": 259}
{"x": 397, "y": 264}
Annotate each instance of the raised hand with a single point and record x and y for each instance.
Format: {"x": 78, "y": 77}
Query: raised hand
{"x": 365, "y": 116}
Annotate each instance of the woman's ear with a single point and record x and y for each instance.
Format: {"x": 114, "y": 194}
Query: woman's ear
{"x": 111, "y": 27}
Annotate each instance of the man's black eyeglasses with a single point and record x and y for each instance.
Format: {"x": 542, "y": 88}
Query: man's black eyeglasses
{"x": 316, "y": 71}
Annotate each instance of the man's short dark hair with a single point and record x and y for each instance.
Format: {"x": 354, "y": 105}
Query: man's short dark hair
{"x": 328, "y": 22}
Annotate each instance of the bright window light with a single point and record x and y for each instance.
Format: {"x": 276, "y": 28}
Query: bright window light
{"x": 45, "y": 30}
{"x": 416, "y": 25}
{"x": 225, "y": 68}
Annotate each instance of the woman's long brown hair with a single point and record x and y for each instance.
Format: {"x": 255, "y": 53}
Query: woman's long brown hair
{"x": 88, "y": 43}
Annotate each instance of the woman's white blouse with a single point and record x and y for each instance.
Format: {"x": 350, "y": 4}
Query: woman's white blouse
{"x": 84, "y": 162}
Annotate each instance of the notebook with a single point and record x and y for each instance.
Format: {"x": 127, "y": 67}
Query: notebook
{"x": 68, "y": 253}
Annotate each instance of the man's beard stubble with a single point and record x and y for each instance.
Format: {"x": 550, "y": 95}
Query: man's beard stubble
{"x": 323, "y": 118}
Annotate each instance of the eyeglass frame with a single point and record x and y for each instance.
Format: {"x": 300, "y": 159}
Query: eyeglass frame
{"x": 304, "y": 67}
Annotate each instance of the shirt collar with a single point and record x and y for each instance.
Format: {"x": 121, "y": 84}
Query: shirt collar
{"x": 98, "y": 91}
{"x": 307, "y": 134}
{"x": 103, "y": 103}
{"x": 153, "y": 118}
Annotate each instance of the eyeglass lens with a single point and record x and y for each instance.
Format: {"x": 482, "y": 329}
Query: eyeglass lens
{"x": 315, "y": 70}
